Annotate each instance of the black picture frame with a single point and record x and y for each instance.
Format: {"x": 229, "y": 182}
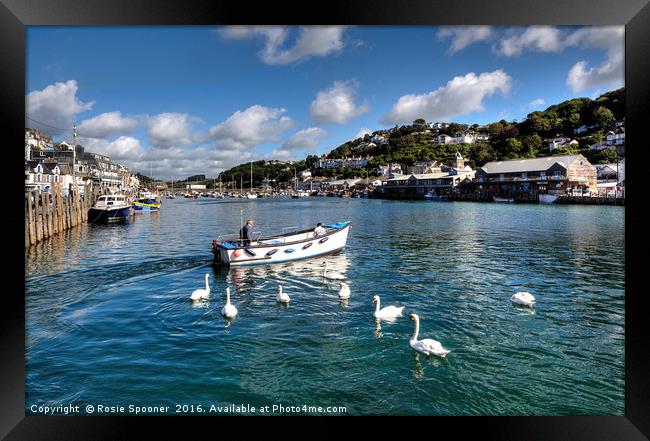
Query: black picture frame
{"x": 634, "y": 14}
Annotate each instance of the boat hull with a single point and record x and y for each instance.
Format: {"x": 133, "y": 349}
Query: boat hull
{"x": 108, "y": 215}
{"x": 547, "y": 198}
{"x": 139, "y": 206}
{"x": 282, "y": 249}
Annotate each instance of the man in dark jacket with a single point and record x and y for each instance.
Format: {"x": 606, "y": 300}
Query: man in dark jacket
{"x": 246, "y": 233}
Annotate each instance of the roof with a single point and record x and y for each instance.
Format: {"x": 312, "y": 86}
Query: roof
{"x": 529, "y": 165}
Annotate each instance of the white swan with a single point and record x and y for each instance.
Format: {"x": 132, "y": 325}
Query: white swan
{"x": 332, "y": 275}
{"x": 200, "y": 294}
{"x": 387, "y": 312}
{"x": 229, "y": 310}
{"x": 282, "y": 297}
{"x": 344, "y": 292}
{"x": 426, "y": 346}
{"x": 523, "y": 298}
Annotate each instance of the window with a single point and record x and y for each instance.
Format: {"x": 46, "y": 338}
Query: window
{"x": 502, "y": 177}
{"x": 581, "y": 163}
{"x": 524, "y": 176}
{"x": 542, "y": 175}
{"x": 38, "y": 178}
{"x": 56, "y": 178}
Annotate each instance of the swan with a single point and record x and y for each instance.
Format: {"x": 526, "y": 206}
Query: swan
{"x": 332, "y": 275}
{"x": 229, "y": 310}
{"x": 344, "y": 292}
{"x": 426, "y": 346}
{"x": 282, "y": 297}
{"x": 523, "y": 298}
{"x": 386, "y": 312}
{"x": 200, "y": 294}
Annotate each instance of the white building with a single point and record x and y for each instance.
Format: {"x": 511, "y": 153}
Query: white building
{"x": 561, "y": 141}
{"x": 45, "y": 176}
{"x": 443, "y": 139}
{"x": 386, "y": 170}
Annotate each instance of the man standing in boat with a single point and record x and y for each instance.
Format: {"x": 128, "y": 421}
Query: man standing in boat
{"x": 246, "y": 233}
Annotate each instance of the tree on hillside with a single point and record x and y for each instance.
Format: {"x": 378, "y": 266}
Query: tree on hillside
{"x": 311, "y": 160}
{"x": 604, "y": 118}
{"x": 419, "y": 122}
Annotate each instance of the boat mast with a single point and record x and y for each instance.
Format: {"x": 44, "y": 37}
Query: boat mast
{"x": 251, "y": 177}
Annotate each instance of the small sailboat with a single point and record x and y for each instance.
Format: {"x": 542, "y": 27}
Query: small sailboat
{"x": 250, "y": 194}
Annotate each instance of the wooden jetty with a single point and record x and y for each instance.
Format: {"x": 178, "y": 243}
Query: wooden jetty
{"x": 49, "y": 213}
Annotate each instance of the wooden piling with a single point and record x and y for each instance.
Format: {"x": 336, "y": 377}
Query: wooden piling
{"x": 30, "y": 219}
{"x": 37, "y": 216}
{"x": 27, "y": 202}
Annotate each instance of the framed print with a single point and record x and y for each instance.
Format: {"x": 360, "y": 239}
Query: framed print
{"x": 402, "y": 210}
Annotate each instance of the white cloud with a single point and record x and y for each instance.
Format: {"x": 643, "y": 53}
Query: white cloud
{"x": 537, "y": 102}
{"x": 123, "y": 148}
{"x": 611, "y": 39}
{"x": 460, "y": 96}
{"x": 311, "y": 41}
{"x": 463, "y": 36}
{"x": 255, "y": 125}
{"x": 305, "y": 139}
{"x": 56, "y": 105}
{"x": 170, "y": 129}
{"x": 610, "y": 73}
{"x": 363, "y": 131}
{"x": 533, "y": 38}
{"x": 336, "y": 104}
{"x": 107, "y": 124}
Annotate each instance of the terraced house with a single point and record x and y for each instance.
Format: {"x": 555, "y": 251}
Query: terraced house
{"x": 551, "y": 174}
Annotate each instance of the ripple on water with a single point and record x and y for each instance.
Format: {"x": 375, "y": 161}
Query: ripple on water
{"x": 109, "y": 314}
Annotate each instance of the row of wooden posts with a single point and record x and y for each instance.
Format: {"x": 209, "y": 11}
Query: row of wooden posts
{"x": 50, "y": 213}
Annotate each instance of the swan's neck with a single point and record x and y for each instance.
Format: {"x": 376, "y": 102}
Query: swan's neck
{"x": 207, "y": 287}
{"x": 377, "y": 306}
{"x": 280, "y": 290}
{"x": 416, "y": 331}
{"x": 228, "y": 296}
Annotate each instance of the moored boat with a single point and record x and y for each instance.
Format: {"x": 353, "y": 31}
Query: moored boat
{"x": 296, "y": 245}
{"x": 547, "y": 198}
{"x": 110, "y": 208}
{"x": 500, "y": 199}
{"x": 432, "y": 196}
{"x": 147, "y": 202}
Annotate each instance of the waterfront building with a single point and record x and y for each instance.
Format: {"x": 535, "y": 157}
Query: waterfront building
{"x": 551, "y": 174}
{"x": 440, "y": 178}
{"x": 344, "y": 184}
{"x": 424, "y": 167}
{"x": 45, "y": 175}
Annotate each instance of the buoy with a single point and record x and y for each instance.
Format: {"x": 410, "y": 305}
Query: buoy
{"x": 236, "y": 253}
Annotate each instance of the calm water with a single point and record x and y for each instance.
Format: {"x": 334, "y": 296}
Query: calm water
{"x": 109, "y": 319}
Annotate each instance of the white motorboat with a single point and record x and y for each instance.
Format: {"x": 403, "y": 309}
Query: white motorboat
{"x": 110, "y": 208}
{"x": 295, "y": 245}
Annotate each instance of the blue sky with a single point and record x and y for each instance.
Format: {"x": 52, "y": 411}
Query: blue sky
{"x": 200, "y": 99}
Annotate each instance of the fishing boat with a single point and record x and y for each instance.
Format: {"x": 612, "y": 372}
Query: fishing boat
{"x": 147, "y": 202}
{"x": 110, "y": 208}
{"x": 296, "y": 245}
{"x": 500, "y": 199}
